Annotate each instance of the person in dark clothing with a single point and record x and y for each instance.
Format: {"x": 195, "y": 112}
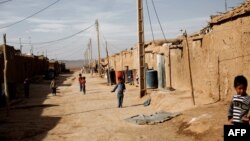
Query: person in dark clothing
{"x": 83, "y": 83}
{"x": 26, "y": 85}
{"x": 120, "y": 91}
{"x": 53, "y": 86}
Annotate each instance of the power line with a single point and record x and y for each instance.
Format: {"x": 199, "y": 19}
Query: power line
{"x": 102, "y": 34}
{"x": 73, "y": 52}
{"x": 30, "y": 15}
{"x": 111, "y": 46}
{"x": 39, "y": 47}
{"x": 57, "y": 48}
{"x": 64, "y": 38}
{"x": 158, "y": 19}
{"x": 2, "y": 2}
{"x": 150, "y": 21}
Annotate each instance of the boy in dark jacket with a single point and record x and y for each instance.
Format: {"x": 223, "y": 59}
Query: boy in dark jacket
{"x": 120, "y": 90}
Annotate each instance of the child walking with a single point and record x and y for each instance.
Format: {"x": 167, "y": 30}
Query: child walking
{"x": 83, "y": 82}
{"x": 240, "y": 104}
{"x": 120, "y": 91}
{"x": 53, "y": 86}
{"x": 80, "y": 81}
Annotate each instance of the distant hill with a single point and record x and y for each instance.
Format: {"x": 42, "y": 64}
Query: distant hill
{"x": 73, "y": 64}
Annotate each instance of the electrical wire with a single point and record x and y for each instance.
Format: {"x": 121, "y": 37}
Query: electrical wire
{"x": 30, "y": 15}
{"x": 64, "y": 38}
{"x": 102, "y": 34}
{"x": 158, "y": 19}
{"x": 110, "y": 49}
{"x": 66, "y": 47}
{"x": 152, "y": 32}
{"x": 2, "y": 2}
{"x": 52, "y": 44}
{"x": 74, "y": 52}
{"x": 110, "y": 45}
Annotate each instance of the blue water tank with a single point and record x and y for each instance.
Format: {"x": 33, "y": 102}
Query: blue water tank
{"x": 152, "y": 79}
{"x": 130, "y": 76}
{"x": 112, "y": 77}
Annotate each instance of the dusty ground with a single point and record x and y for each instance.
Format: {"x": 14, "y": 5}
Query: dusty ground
{"x": 72, "y": 116}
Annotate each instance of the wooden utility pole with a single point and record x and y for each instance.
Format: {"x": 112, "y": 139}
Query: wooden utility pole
{"x": 98, "y": 43}
{"x": 170, "y": 68}
{"x": 108, "y": 63}
{"x": 31, "y": 46}
{"x": 225, "y": 5}
{"x": 21, "y": 46}
{"x": 141, "y": 50}
{"x": 85, "y": 57}
{"x": 219, "y": 77}
{"x": 90, "y": 45}
{"x": 121, "y": 54}
{"x": 6, "y": 92}
{"x": 189, "y": 66}
{"x": 91, "y": 56}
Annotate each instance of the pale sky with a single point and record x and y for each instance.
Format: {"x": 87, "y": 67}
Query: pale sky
{"x": 117, "y": 19}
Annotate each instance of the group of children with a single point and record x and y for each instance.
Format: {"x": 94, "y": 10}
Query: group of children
{"x": 120, "y": 87}
{"x": 238, "y": 112}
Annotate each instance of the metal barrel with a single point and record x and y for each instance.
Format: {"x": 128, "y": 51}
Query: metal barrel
{"x": 152, "y": 79}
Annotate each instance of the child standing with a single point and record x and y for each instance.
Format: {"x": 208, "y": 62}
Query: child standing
{"x": 120, "y": 90}
{"x": 26, "y": 85}
{"x": 80, "y": 81}
{"x": 83, "y": 82}
{"x": 53, "y": 86}
{"x": 240, "y": 104}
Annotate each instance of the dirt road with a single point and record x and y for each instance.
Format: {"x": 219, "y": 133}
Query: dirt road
{"x": 73, "y": 116}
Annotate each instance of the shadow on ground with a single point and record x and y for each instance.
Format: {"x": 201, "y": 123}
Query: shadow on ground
{"x": 94, "y": 110}
{"x": 26, "y": 120}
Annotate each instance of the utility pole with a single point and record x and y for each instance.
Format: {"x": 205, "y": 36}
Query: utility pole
{"x": 225, "y": 5}
{"x": 108, "y": 63}
{"x": 91, "y": 59}
{"x": 121, "y": 54}
{"x": 170, "y": 68}
{"x": 141, "y": 50}
{"x": 88, "y": 57}
{"x": 90, "y": 45}
{"x": 85, "y": 57}
{"x": 189, "y": 66}
{"x": 31, "y": 47}
{"x": 21, "y": 46}
{"x": 219, "y": 77}
{"x": 98, "y": 43}
{"x": 6, "y": 92}
{"x": 89, "y": 52}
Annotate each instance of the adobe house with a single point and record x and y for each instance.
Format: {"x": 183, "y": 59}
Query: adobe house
{"x": 221, "y": 51}
{"x": 20, "y": 66}
{"x": 218, "y": 53}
